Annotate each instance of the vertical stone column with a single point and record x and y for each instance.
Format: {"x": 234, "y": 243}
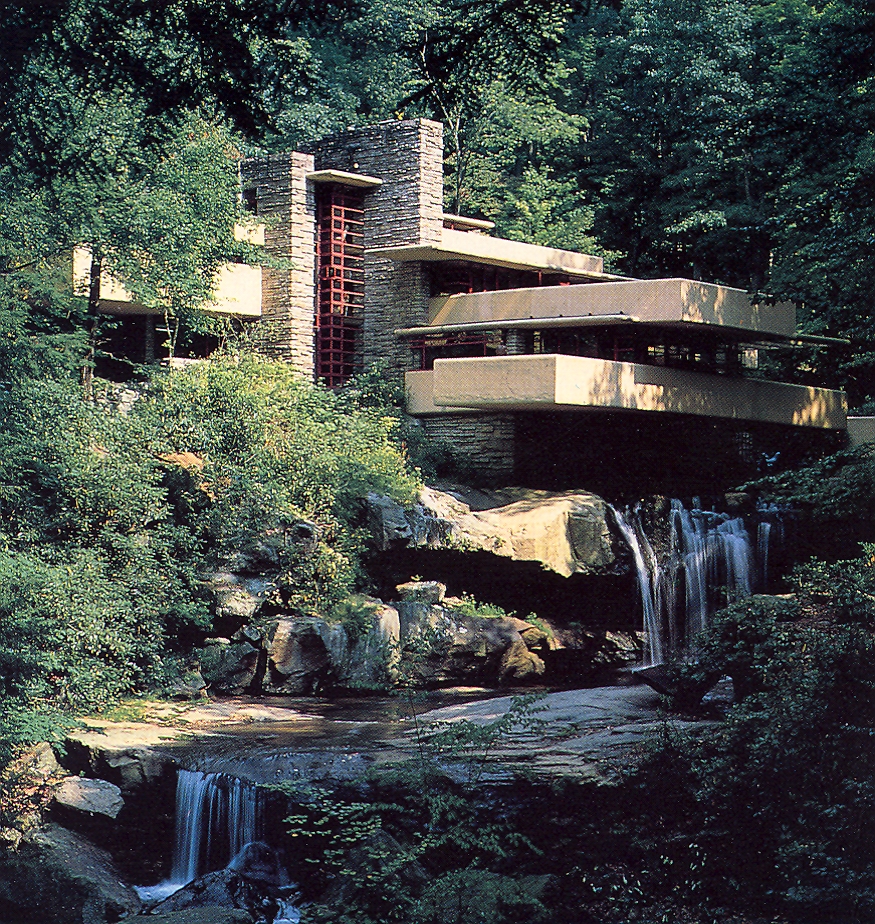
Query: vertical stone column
{"x": 285, "y": 199}
{"x": 406, "y": 210}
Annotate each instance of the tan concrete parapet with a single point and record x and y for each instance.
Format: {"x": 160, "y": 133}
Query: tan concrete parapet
{"x": 861, "y": 430}
{"x": 665, "y": 301}
{"x": 496, "y": 251}
{"x": 419, "y": 388}
{"x": 464, "y": 223}
{"x": 551, "y": 382}
{"x": 236, "y": 291}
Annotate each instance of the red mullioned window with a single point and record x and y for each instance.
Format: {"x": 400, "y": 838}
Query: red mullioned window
{"x": 340, "y": 278}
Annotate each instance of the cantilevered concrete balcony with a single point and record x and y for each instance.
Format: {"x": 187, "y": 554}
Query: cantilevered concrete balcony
{"x": 496, "y": 251}
{"x": 666, "y": 302}
{"x": 575, "y": 383}
{"x": 236, "y": 291}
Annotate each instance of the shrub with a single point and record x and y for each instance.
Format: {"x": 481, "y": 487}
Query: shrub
{"x": 774, "y": 809}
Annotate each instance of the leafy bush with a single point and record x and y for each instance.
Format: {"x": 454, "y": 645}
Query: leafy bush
{"x": 773, "y": 810}
{"x": 275, "y": 451}
{"x": 421, "y": 842}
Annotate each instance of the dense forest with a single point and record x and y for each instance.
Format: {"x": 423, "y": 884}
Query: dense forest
{"x": 712, "y": 139}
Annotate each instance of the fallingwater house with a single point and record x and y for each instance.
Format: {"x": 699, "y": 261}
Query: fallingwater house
{"x": 533, "y": 363}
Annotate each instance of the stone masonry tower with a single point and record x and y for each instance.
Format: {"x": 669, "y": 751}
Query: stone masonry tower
{"x": 330, "y": 306}
{"x": 407, "y": 209}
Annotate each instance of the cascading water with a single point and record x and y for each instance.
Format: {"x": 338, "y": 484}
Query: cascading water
{"x": 216, "y": 816}
{"x": 649, "y": 584}
{"x": 709, "y": 561}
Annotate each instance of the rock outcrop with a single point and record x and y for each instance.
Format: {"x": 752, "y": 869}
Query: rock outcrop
{"x": 567, "y": 533}
{"x": 250, "y": 882}
{"x": 89, "y": 797}
{"x": 58, "y": 877}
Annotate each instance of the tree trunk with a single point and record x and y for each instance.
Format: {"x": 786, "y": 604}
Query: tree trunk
{"x": 93, "y": 322}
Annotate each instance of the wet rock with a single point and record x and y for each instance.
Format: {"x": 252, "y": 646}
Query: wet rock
{"x": 124, "y": 754}
{"x": 250, "y": 882}
{"x": 57, "y": 877}
{"x": 422, "y": 591}
{"x": 90, "y": 797}
{"x": 721, "y": 697}
{"x": 592, "y": 735}
{"x": 661, "y": 677}
{"x": 230, "y": 667}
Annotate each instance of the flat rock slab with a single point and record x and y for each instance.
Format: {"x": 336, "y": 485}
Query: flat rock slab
{"x": 584, "y": 735}
{"x": 93, "y": 797}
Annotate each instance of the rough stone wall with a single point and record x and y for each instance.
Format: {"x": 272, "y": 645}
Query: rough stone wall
{"x": 407, "y": 209}
{"x": 286, "y": 201}
{"x": 484, "y": 443}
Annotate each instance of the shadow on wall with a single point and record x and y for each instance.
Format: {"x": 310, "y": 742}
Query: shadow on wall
{"x": 624, "y": 456}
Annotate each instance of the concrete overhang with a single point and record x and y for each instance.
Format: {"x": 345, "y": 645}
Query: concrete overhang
{"x": 496, "y": 251}
{"x": 343, "y": 178}
{"x": 659, "y": 301}
{"x": 575, "y": 383}
{"x": 236, "y": 289}
{"x": 464, "y": 223}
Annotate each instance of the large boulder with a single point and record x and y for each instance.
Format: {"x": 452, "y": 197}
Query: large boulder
{"x": 126, "y": 754}
{"x": 89, "y": 797}
{"x": 303, "y": 654}
{"x": 250, "y": 882}
{"x": 566, "y": 532}
{"x": 443, "y": 645}
{"x": 308, "y": 655}
{"x": 231, "y": 666}
{"x": 57, "y": 877}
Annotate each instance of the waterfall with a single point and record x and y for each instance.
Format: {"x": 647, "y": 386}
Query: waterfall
{"x": 216, "y": 816}
{"x": 709, "y": 561}
{"x": 649, "y": 583}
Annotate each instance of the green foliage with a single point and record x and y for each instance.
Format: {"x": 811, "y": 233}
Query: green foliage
{"x": 105, "y": 536}
{"x": 422, "y": 844}
{"x": 752, "y": 641}
{"x": 278, "y": 450}
{"x": 772, "y": 810}
{"x": 466, "y": 605}
{"x": 831, "y": 499}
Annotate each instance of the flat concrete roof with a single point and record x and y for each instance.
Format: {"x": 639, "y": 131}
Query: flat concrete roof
{"x": 496, "y": 251}
{"x": 344, "y": 178}
{"x": 652, "y": 301}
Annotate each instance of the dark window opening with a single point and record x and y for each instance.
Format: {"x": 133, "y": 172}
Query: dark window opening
{"x": 454, "y": 278}
{"x": 250, "y": 200}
